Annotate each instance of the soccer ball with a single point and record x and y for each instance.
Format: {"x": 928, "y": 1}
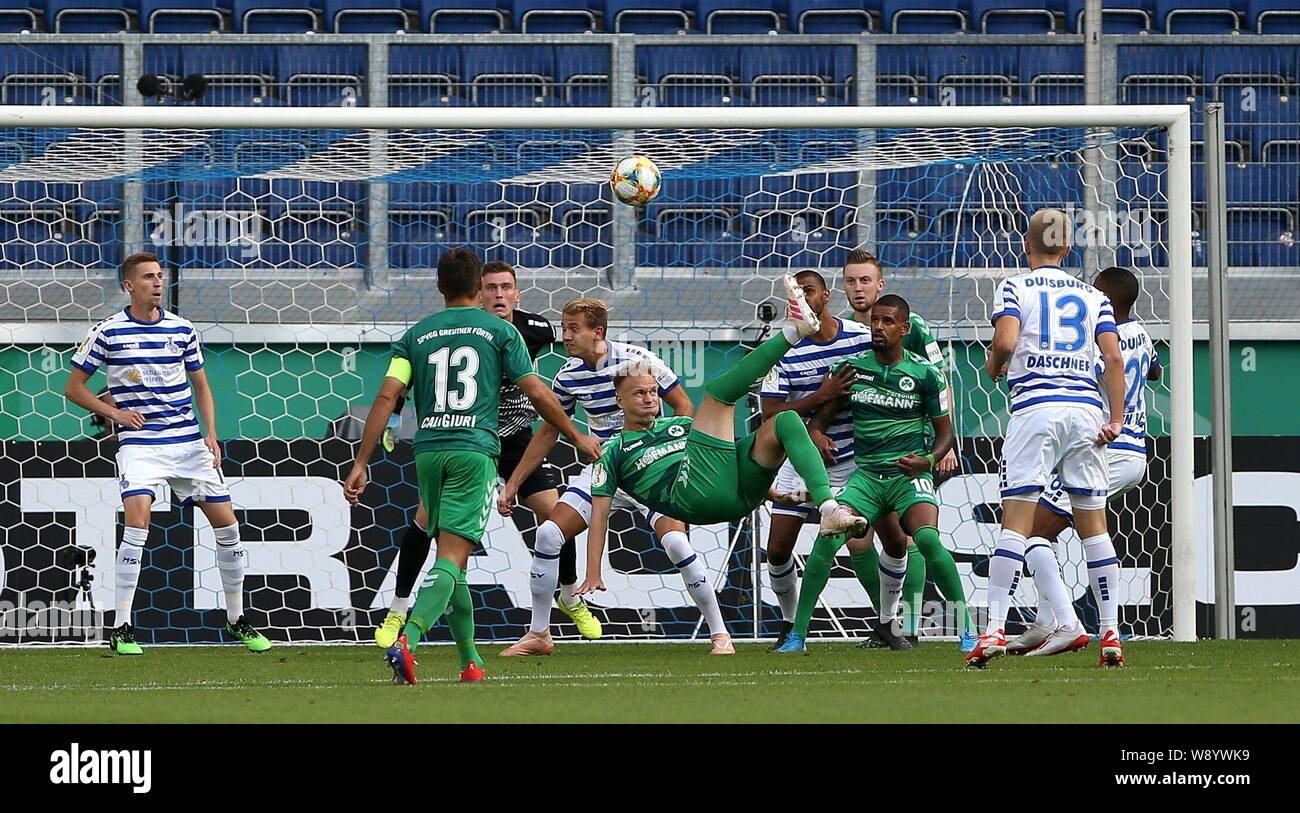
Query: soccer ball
{"x": 635, "y": 180}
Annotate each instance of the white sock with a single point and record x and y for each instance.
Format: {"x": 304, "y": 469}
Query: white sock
{"x": 784, "y": 580}
{"x": 231, "y": 562}
{"x": 567, "y": 595}
{"x": 892, "y": 573}
{"x": 545, "y": 574}
{"x": 400, "y": 604}
{"x": 1004, "y": 577}
{"x": 1103, "y": 576}
{"x": 678, "y": 547}
{"x": 126, "y": 573}
{"x": 791, "y": 334}
{"x": 1052, "y": 592}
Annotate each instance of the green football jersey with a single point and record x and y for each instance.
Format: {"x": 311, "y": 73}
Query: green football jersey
{"x": 458, "y": 358}
{"x": 892, "y": 407}
{"x": 920, "y": 340}
{"x": 644, "y": 464}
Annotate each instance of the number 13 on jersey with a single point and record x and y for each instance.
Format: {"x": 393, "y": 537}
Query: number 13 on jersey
{"x": 465, "y": 362}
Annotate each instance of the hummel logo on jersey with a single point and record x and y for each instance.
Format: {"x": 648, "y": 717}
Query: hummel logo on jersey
{"x": 633, "y": 445}
{"x": 90, "y": 767}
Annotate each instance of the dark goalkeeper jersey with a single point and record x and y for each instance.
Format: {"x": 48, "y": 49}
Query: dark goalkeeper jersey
{"x": 517, "y": 412}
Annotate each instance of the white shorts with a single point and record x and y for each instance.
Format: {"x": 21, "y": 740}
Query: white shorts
{"x": 577, "y": 495}
{"x": 787, "y": 480}
{"x": 185, "y": 467}
{"x": 1055, "y": 438}
{"x": 1127, "y": 471}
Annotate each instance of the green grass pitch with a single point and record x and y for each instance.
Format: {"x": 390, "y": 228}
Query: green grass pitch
{"x": 1212, "y": 681}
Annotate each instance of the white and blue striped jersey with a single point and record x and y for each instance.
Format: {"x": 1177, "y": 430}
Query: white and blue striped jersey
{"x": 146, "y": 364}
{"x": 800, "y": 372}
{"x": 1140, "y": 358}
{"x": 1056, "y": 360}
{"x": 595, "y": 388}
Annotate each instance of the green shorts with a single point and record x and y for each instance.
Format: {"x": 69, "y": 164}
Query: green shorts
{"x": 456, "y": 488}
{"x": 873, "y": 495}
{"x": 718, "y": 480}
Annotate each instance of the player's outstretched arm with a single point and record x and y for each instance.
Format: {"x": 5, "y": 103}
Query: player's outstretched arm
{"x": 376, "y": 421}
{"x": 548, "y": 406}
{"x": 1006, "y": 333}
{"x": 600, "y": 507}
{"x": 680, "y": 402}
{"x": 536, "y": 451}
{"x": 207, "y": 413}
{"x": 1114, "y": 372}
{"x": 76, "y": 391}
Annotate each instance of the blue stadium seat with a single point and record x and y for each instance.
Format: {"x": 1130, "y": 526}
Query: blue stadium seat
{"x": 1118, "y": 16}
{"x": 1153, "y": 88}
{"x": 17, "y": 16}
{"x": 900, "y": 89}
{"x": 1011, "y": 17}
{"x": 646, "y": 16}
{"x": 275, "y": 16}
{"x": 86, "y": 17}
{"x": 180, "y": 17}
{"x": 829, "y": 16}
{"x": 737, "y": 16}
{"x": 461, "y": 16}
{"x": 793, "y": 75}
{"x": 324, "y": 90}
{"x": 690, "y": 75}
{"x": 508, "y": 77}
{"x": 551, "y": 17}
{"x": 364, "y": 16}
{"x": 1196, "y": 17}
{"x": 582, "y": 73}
{"x": 43, "y": 88}
{"x": 1260, "y": 183}
{"x": 1273, "y": 16}
{"x": 1262, "y": 235}
{"x": 1054, "y": 75}
{"x": 939, "y": 17}
{"x": 239, "y": 89}
{"x": 421, "y": 74}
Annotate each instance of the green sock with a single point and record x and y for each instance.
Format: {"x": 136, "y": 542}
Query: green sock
{"x": 866, "y": 565}
{"x": 805, "y": 458}
{"x": 732, "y": 385}
{"x": 816, "y": 572}
{"x": 432, "y": 600}
{"x": 460, "y": 618}
{"x": 943, "y": 571}
{"x": 913, "y": 590}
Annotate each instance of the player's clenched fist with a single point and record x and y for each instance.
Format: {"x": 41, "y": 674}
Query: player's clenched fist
{"x": 128, "y": 418}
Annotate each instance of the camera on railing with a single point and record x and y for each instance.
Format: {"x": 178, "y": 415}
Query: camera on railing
{"x": 152, "y": 86}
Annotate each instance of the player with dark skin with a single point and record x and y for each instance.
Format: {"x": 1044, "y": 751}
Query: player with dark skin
{"x": 888, "y": 326}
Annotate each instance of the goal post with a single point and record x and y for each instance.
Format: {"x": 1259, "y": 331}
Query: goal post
{"x": 973, "y": 165}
